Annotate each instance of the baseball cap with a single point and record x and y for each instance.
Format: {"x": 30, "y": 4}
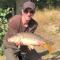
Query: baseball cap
{"x": 28, "y": 4}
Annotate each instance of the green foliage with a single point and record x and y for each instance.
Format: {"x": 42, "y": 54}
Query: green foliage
{"x": 41, "y": 4}
{"x": 7, "y": 3}
{"x": 3, "y": 25}
{"x": 1, "y": 50}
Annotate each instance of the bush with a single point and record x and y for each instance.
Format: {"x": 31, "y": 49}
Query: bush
{"x": 3, "y": 25}
{"x": 1, "y": 50}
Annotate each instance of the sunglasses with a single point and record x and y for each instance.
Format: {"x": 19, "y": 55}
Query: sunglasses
{"x": 29, "y": 11}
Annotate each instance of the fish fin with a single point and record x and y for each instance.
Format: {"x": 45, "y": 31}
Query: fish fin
{"x": 31, "y": 47}
{"x": 48, "y": 47}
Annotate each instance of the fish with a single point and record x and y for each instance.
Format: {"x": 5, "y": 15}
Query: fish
{"x": 30, "y": 39}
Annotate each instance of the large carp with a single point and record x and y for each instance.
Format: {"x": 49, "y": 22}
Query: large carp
{"x": 30, "y": 39}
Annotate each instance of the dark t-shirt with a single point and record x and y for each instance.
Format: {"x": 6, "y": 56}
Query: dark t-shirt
{"x": 15, "y": 26}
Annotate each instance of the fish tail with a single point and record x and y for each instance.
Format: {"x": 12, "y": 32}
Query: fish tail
{"x": 48, "y": 47}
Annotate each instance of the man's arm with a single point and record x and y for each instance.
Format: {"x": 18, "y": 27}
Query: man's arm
{"x": 12, "y": 27}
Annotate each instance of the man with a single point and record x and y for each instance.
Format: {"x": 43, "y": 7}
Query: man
{"x": 19, "y": 23}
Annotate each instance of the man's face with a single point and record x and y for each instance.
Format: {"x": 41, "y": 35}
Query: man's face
{"x": 27, "y": 14}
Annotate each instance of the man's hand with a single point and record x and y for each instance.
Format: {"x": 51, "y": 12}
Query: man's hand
{"x": 19, "y": 43}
